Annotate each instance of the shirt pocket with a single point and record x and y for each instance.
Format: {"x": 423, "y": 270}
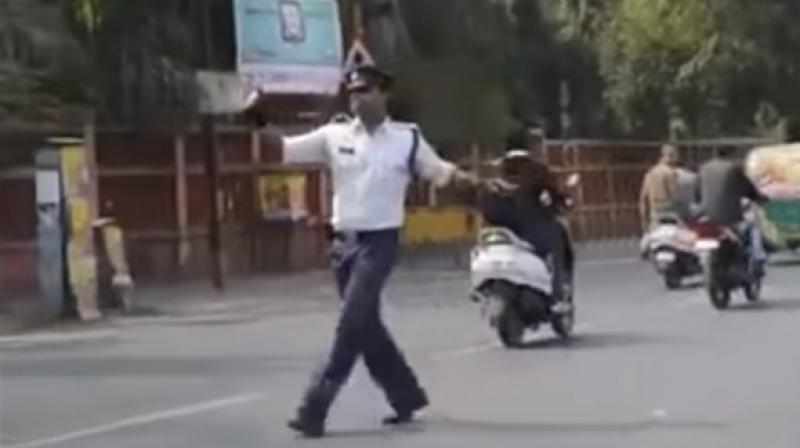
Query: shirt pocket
{"x": 348, "y": 158}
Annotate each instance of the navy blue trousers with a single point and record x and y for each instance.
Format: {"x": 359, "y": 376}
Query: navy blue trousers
{"x": 361, "y": 266}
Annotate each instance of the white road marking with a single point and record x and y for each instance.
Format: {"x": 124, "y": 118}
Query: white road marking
{"x": 141, "y": 420}
{"x": 466, "y": 351}
{"x": 693, "y": 301}
{"x": 26, "y": 340}
{"x": 659, "y": 414}
{"x": 608, "y": 261}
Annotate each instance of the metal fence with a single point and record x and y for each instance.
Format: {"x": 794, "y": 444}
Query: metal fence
{"x": 155, "y": 187}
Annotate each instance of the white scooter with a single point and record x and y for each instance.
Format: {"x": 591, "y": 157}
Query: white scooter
{"x": 514, "y": 286}
{"x": 671, "y": 247}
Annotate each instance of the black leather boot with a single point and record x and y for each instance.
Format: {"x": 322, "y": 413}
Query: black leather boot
{"x": 310, "y": 418}
{"x": 405, "y": 412}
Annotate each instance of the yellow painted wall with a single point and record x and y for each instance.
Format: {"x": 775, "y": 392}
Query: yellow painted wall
{"x": 439, "y": 225}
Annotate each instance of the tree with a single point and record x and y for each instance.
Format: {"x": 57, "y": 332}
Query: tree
{"x": 41, "y": 65}
{"x": 457, "y": 82}
{"x": 711, "y": 61}
{"x": 143, "y": 55}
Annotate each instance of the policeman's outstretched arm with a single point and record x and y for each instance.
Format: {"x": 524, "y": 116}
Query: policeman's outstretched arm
{"x": 310, "y": 147}
{"x": 444, "y": 174}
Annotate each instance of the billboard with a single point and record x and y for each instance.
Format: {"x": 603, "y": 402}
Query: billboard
{"x": 283, "y": 196}
{"x": 289, "y": 46}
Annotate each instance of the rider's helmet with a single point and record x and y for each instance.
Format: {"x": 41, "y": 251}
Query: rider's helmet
{"x": 516, "y": 164}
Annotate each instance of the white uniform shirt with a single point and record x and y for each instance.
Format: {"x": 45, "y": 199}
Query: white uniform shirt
{"x": 370, "y": 172}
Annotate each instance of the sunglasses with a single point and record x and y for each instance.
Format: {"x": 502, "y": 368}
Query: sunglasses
{"x": 362, "y": 89}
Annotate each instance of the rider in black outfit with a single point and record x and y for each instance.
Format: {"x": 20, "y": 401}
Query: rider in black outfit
{"x": 532, "y": 211}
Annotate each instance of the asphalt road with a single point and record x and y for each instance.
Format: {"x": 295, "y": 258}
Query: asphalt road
{"x": 647, "y": 368}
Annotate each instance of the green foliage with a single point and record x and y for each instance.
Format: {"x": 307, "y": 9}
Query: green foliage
{"x": 458, "y": 83}
{"x": 709, "y": 62}
{"x": 143, "y": 55}
{"x": 471, "y": 70}
{"x": 41, "y": 66}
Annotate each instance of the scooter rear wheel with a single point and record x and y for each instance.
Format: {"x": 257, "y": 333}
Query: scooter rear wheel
{"x": 672, "y": 277}
{"x": 510, "y": 327}
{"x": 719, "y": 294}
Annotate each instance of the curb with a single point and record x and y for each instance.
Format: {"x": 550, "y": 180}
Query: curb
{"x": 231, "y": 316}
{"x": 51, "y": 339}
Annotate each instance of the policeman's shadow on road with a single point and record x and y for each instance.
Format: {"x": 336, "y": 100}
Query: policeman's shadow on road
{"x": 377, "y": 433}
{"x": 442, "y": 424}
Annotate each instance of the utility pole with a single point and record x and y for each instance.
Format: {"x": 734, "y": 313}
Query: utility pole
{"x": 212, "y": 166}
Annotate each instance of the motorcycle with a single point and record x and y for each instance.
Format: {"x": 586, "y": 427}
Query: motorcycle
{"x": 671, "y": 247}
{"x": 728, "y": 266}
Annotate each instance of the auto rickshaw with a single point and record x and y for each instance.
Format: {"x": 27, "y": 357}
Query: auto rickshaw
{"x": 776, "y": 171}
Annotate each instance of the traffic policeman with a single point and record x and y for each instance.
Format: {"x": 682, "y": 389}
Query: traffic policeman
{"x": 371, "y": 159}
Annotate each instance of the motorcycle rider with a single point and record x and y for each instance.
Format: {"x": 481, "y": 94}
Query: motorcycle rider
{"x": 723, "y": 187}
{"x": 532, "y": 213}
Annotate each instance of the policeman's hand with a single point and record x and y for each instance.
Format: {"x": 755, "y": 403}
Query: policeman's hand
{"x": 573, "y": 181}
{"x": 255, "y": 109}
{"x": 500, "y": 186}
{"x": 465, "y": 180}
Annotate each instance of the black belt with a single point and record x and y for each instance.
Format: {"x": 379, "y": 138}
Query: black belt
{"x": 357, "y": 235}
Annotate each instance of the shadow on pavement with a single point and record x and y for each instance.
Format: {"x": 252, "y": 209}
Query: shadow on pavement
{"x": 590, "y": 341}
{"x": 789, "y": 261}
{"x": 772, "y": 306}
{"x": 434, "y": 424}
{"x": 382, "y": 433}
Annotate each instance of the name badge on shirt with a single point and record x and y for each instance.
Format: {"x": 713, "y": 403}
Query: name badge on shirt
{"x": 346, "y": 150}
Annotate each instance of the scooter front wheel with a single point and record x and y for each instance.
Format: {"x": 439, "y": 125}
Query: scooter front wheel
{"x": 563, "y": 324}
{"x": 720, "y": 297}
{"x": 753, "y": 291}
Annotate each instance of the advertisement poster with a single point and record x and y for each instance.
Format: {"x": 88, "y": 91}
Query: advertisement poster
{"x": 283, "y": 196}
{"x": 289, "y": 46}
{"x": 81, "y": 258}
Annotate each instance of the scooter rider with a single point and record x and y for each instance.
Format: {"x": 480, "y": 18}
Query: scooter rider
{"x": 531, "y": 212}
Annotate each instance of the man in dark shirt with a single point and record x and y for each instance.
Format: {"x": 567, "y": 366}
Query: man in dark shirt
{"x": 723, "y": 186}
